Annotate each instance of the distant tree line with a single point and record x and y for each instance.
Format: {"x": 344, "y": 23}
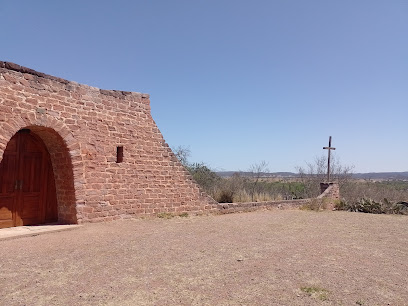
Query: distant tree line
{"x": 255, "y": 186}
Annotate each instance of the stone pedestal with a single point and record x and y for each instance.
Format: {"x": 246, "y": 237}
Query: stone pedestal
{"x": 331, "y": 192}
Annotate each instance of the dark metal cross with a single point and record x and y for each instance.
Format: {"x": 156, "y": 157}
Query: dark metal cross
{"x": 328, "y": 159}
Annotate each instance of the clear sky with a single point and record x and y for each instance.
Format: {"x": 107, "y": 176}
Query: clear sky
{"x": 237, "y": 81}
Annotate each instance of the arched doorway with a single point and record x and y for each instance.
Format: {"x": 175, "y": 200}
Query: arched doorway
{"x": 27, "y": 185}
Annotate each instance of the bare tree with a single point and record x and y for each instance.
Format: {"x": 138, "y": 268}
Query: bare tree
{"x": 316, "y": 172}
{"x": 256, "y": 171}
{"x": 182, "y": 154}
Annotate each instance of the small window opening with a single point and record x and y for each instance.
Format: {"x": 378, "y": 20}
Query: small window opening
{"x": 119, "y": 154}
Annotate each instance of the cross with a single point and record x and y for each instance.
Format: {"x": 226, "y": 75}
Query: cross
{"x": 328, "y": 159}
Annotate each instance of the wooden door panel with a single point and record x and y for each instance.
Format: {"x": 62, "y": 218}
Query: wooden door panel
{"x": 7, "y": 188}
{"x": 30, "y": 144}
{"x": 31, "y": 210}
{"x": 31, "y": 174}
{"x": 7, "y": 174}
{"x": 6, "y": 223}
{"x": 6, "y": 209}
{"x": 27, "y": 186}
{"x": 12, "y": 145}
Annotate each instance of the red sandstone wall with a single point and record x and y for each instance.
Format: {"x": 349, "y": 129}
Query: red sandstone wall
{"x": 81, "y": 127}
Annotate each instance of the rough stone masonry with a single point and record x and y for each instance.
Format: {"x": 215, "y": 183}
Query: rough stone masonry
{"x": 109, "y": 159}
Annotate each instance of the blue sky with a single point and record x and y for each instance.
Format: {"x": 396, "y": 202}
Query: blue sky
{"x": 238, "y": 81}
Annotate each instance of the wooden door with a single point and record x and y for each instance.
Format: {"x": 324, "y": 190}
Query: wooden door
{"x": 27, "y": 188}
{"x": 8, "y": 178}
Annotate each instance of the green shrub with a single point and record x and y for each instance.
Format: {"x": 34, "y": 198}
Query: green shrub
{"x": 204, "y": 176}
{"x": 165, "y": 215}
{"x": 225, "y": 196}
{"x": 400, "y": 208}
{"x": 316, "y": 292}
{"x": 373, "y": 207}
{"x": 368, "y": 206}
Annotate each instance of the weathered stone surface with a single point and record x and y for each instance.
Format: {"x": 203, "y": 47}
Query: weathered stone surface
{"x": 82, "y": 127}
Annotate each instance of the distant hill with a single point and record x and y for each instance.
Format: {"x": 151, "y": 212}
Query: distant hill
{"x": 382, "y": 175}
{"x": 370, "y": 175}
{"x": 243, "y": 173}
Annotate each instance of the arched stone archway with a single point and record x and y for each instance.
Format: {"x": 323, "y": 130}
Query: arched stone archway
{"x": 65, "y": 156}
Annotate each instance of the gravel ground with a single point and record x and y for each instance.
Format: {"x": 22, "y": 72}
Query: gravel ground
{"x": 259, "y": 258}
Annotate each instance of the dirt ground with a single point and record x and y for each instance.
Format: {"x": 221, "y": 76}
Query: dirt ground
{"x": 258, "y": 258}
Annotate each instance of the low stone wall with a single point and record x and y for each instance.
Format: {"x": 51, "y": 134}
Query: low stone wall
{"x": 326, "y": 200}
{"x": 228, "y": 208}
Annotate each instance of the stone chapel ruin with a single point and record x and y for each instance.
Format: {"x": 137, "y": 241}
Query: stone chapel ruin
{"x": 71, "y": 153}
